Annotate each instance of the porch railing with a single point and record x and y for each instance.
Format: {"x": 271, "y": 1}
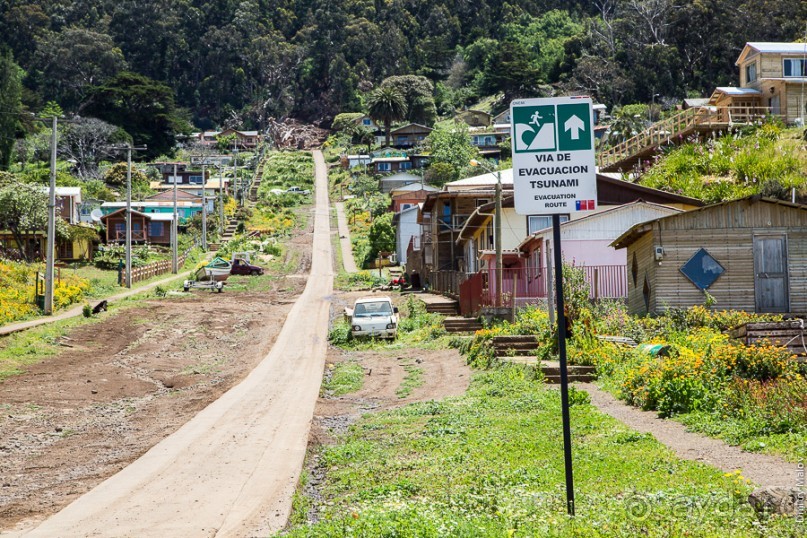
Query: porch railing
{"x": 527, "y": 285}
{"x": 447, "y": 282}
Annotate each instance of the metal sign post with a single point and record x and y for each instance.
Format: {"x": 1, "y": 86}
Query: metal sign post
{"x": 554, "y": 174}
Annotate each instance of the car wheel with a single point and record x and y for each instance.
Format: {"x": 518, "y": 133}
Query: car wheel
{"x": 255, "y": 273}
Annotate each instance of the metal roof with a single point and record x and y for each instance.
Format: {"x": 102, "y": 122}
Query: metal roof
{"x": 780, "y": 48}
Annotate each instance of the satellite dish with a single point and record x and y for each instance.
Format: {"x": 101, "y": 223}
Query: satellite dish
{"x": 96, "y": 215}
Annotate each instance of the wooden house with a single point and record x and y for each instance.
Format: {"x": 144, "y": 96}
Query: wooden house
{"x": 409, "y": 136}
{"x": 410, "y": 195}
{"x": 749, "y": 254}
{"x": 152, "y": 228}
{"x": 397, "y": 180}
{"x": 245, "y": 140}
{"x": 772, "y": 81}
{"x": 474, "y": 118}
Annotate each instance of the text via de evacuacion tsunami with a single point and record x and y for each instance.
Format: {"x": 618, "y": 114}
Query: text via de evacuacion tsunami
{"x": 560, "y": 169}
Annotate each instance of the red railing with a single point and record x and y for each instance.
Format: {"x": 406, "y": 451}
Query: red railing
{"x": 527, "y": 285}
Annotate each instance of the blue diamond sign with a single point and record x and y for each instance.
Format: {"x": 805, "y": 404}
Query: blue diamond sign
{"x": 702, "y": 269}
{"x": 553, "y": 155}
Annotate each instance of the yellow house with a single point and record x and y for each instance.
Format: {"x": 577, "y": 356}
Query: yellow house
{"x": 773, "y": 80}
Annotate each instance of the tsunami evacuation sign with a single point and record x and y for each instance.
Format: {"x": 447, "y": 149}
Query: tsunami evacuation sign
{"x": 553, "y": 155}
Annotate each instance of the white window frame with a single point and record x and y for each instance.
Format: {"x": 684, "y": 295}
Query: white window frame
{"x": 531, "y": 229}
{"x": 751, "y": 69}
{"x": 793, "y": 70}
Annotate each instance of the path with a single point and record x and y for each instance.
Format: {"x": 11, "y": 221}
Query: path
{"x": 762, "y": 469}
{"x": 78, "y": 310}
{"x": 344, "y": 240}
{"x": 232, "y": 469}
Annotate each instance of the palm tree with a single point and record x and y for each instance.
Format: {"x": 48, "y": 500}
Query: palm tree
{"x": 386, "y": 105}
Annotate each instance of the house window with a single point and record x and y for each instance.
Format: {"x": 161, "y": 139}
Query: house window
{"x": 794, "y": 67}
{"x": 384, "y": 167}
{"x": 196, "y": 180}
{"x": 482, "y": 201}
{"x": 541, "y": 222}
{"x": 403, "y": 140}
{"x": 406, "y": 165}
{"x": 65, "y": 250}
{"x": 750, "y": 73}
{"x": 156, "y": 229}
{"x": 634, "y": 269}
{"x": 366, "y": 121}
{"x": 646, "y": 294}
{"x": 405, "y": 206}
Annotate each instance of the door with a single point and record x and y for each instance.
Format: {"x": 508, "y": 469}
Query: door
{"x": 770, "y": 273}
{"x": 775, "y": 105}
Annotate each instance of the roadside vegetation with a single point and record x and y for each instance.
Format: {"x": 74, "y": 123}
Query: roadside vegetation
{"x": 765, "y": 159}
{"x": 490, "y": 463}
{"x": 752, "y": 396}
{"x": 274, "y": 214}
{"x": 343, "y": 378}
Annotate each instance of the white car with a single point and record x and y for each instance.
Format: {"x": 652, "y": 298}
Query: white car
{"x": 297, "y": 190}
{"x": 374, "y": 316}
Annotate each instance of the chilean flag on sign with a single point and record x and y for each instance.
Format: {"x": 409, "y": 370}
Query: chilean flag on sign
{"x": 585, "y": 205}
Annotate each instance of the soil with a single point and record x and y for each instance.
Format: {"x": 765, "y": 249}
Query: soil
{"x": 445, "y": 374}
{"x": 129, "y": 381}
{"x": 762, "y": 469}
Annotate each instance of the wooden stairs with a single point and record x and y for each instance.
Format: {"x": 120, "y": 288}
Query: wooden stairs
{"x": 629, "y": 155}
{"x": 447, "y": 308}
{"x": 229, "y": 230}
{"x": 516, "y": 349}
{"x": 458, "y": 324}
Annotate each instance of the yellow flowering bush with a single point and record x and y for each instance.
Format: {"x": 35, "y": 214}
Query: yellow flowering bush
{"x": 17, "y": 282}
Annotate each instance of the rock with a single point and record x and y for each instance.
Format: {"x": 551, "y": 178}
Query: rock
{"x": 775, "y": 500}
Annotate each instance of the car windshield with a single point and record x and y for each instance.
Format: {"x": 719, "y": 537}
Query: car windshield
{"x": 378, "y": 308}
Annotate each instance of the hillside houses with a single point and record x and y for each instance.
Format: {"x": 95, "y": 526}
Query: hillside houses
{"x": 457, "y": 240}
{"x": 772, "y": 80}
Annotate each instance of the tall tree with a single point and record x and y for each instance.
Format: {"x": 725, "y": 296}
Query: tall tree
{"x": 10, "y": 104}
{"x": 418, "y": 94}
{"x": 386, "y": 105}
{"x": 142, "y": 107}
{"x": 86, "y": 142}
{"x": 71, "y": 62}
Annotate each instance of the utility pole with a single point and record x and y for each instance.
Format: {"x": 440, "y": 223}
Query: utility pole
{"x": 235, "y": 169}
{"x": 204, "y": 209}
{"x": 175, "y": 230}
{"x": 221, "y": 199}
{"x": 51, "y": 242}
{"x": 498, "y": 236}
{"x": 128, "y": 268}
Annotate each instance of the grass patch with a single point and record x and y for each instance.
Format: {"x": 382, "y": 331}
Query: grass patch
{"x": 490, "y": 463}
{"x": 344, "y": 378}
{"x": 412, "y": 380}
{"x": 416, "y": 329}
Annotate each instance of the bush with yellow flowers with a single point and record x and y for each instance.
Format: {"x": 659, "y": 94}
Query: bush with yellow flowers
{"x": 17, "y": 283}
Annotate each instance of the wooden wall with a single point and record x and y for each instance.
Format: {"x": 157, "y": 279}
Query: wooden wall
{"x": 727, "y": 233}
{"x": 646, "y": 267}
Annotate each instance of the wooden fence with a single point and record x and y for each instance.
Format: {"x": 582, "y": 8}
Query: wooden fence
{"x": 145, "y": 272}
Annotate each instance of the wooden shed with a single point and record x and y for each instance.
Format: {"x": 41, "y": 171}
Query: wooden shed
{"x": 749, "y": 254}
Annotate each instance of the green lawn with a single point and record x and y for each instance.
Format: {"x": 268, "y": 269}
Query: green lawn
{"x": 344, "y": 378}
{"x": 490, "y": 464}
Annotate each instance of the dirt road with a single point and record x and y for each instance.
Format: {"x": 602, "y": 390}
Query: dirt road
{"x": 231, "y": 470}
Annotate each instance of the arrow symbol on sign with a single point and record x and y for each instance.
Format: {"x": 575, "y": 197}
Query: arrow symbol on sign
{"x": 575, "y": 125}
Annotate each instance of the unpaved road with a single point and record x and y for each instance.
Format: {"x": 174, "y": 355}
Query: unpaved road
{"x": 232, "y": 469}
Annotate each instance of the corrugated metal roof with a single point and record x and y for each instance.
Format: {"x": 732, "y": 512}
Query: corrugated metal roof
{"x": 780, "y": 48}
{"x": 731, "y": 90}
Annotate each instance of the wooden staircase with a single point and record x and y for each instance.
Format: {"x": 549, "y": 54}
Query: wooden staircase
{"x": 516, "y": 349}
{"x": 457, "y": 324}
{"x": 447, "y": 308}
{"x": 229, "y": 230}
{"x": 629, "y": 155}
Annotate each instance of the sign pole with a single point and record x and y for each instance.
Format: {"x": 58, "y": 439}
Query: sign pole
{"x": 554, "y": 174}
{"x": 564, "y": 373}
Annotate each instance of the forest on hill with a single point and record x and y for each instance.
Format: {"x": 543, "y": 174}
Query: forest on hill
{"x": 242, "y": 61}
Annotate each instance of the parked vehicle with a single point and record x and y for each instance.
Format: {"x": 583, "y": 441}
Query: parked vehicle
{"x": 298, "y": 190}
{"x": 374, "y": 316}
{"x": 243, "y": 267}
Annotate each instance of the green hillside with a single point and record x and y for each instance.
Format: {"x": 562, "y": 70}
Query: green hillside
{"x": 768, "y": 160}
